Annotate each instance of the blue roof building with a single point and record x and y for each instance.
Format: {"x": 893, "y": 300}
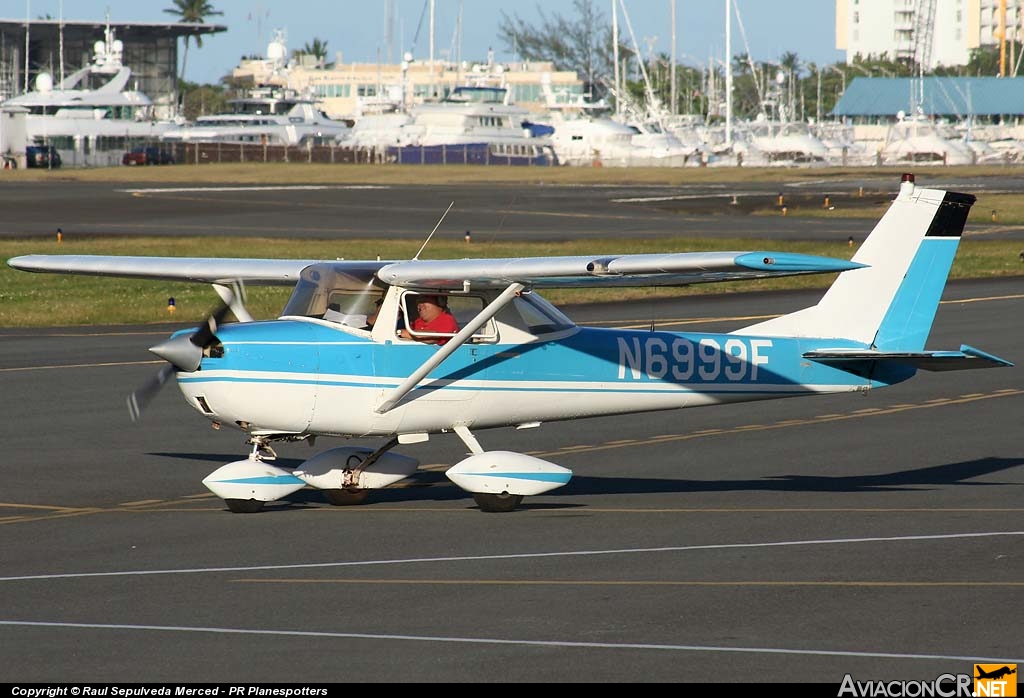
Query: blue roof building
{"x": 873, "y": 100}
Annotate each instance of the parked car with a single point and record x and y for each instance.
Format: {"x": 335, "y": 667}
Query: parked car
{"x": 42, "y": 156}
{"x": 147, "y": 155}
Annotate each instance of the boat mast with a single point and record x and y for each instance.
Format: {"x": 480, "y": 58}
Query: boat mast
{"x": 28, "y": 28}
{"x": 672, "y": 78}
{"x": 728, "y": 73}
{"x": 648, "y": 89}
{"x": 60, "y": 13}
{"x": 432, "y": 85}
{"x": 615, "y": 57}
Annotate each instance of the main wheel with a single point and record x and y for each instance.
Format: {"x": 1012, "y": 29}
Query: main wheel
{"x": 244, "y": 506}
{"x": 346, "y": 497}
{"x": 497, "y": 502}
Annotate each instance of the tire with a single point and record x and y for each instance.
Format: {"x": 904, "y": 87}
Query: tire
{"x": 497, "y": 503}
{"x": 346, "y": 497}
{"x": 244, "y": 506}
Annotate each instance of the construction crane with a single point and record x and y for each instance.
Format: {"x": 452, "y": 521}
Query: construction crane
{"x": 1002, "y": 38}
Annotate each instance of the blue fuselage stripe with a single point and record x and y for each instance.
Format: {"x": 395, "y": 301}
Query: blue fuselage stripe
{"x": 595, "y": 360}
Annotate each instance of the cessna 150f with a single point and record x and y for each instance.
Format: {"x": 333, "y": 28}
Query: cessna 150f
{"x": 516, "y": 360}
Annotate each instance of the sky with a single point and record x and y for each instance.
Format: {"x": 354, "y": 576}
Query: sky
{"x": 357, "y": 29}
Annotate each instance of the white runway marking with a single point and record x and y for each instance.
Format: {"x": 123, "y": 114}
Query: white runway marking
{"x": 529, "y": 643}
{"x": 517, "y": 556}
{"x": 568, "y": 644}
{"x": 282, "y": 187}
{"x": 684, "y": 197}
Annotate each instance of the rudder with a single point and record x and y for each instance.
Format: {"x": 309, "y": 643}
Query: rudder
{"x": 890, "y": 304}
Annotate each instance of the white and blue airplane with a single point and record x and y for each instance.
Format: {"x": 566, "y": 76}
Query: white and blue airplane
{"x": 321, "y": 370}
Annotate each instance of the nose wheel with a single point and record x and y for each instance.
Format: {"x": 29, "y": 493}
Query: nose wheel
{"x": 497, "y": 503}
{"x": 244, "y": 506}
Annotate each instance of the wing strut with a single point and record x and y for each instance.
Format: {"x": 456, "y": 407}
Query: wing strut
{"x": 446, "y": 349}
{"x": 234, "y": 296}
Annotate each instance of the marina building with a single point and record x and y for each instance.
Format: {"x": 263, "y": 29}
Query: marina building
{"x": 350, "y": 90}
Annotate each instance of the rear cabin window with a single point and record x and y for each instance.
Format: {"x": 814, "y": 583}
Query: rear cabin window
{"x": 539, "y": 316}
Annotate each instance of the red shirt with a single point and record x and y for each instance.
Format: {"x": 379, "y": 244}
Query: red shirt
{"x": 445, "y": 322}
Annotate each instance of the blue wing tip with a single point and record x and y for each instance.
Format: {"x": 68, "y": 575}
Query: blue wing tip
{"x": 794, "y": 262}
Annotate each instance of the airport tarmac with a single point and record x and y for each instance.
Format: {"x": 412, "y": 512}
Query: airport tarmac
{"x": 785, "y": 541}
{"x": 488, "y": 212}
{"x": 798, "y": 541}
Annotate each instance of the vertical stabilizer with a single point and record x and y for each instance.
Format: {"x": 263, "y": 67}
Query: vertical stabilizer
{"x": 889, "y": 304}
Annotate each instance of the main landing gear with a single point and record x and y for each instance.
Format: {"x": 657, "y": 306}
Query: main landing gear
{"x": 350, "y": 494}
{"x": 497, "y": 503}
{"x": 498, "y": 480}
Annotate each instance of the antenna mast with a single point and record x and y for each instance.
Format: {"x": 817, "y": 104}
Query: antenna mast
{"x": 434, "y": 230}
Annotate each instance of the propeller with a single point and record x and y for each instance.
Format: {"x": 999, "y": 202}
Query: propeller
{"x": 142, "y": 396}
{"x": 183, "y": 352}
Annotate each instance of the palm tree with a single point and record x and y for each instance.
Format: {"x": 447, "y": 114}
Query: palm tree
{"x": 191, "y": 12}
{"x": 317, "y": 48}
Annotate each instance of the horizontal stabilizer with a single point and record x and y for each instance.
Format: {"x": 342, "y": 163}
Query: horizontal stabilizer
{"x": 967, "y": 357}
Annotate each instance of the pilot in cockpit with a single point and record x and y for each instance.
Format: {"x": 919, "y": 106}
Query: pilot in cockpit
{"x": 371, "y": 319}
{"x": 432, "y": 316}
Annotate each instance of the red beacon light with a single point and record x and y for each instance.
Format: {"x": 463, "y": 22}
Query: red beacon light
{"x": 906, "y": 185}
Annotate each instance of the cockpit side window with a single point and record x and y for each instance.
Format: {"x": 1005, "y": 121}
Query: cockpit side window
{"x": 353, "y": 309}
{"x": 464, "y": 308}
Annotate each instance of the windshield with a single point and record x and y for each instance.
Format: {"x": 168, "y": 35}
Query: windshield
{"x": 340, "y": 293}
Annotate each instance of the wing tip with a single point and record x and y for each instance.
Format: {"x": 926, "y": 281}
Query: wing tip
{"x": 792, "y": 262}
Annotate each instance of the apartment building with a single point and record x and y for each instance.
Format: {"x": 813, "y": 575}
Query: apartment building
{"x": 929, "y": 32}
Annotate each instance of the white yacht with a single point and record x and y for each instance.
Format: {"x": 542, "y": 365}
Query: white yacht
{"x": 593, "y": 140}
{"x": 475, "y": 124}
{"x": 271, "y": 113}
{"x": 586, "y": 135}
{"x": 784, "y": 143}
{"x": 266, "y": 115}
{"x": 915, "y": 139}
{"x": 93, "y": 116}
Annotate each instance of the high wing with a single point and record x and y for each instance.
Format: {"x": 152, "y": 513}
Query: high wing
{"x": 673, "y": 269}
{"x": 214, "y": 270}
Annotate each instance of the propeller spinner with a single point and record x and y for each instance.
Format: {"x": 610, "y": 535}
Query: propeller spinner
{"x": 183, "y": 353}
